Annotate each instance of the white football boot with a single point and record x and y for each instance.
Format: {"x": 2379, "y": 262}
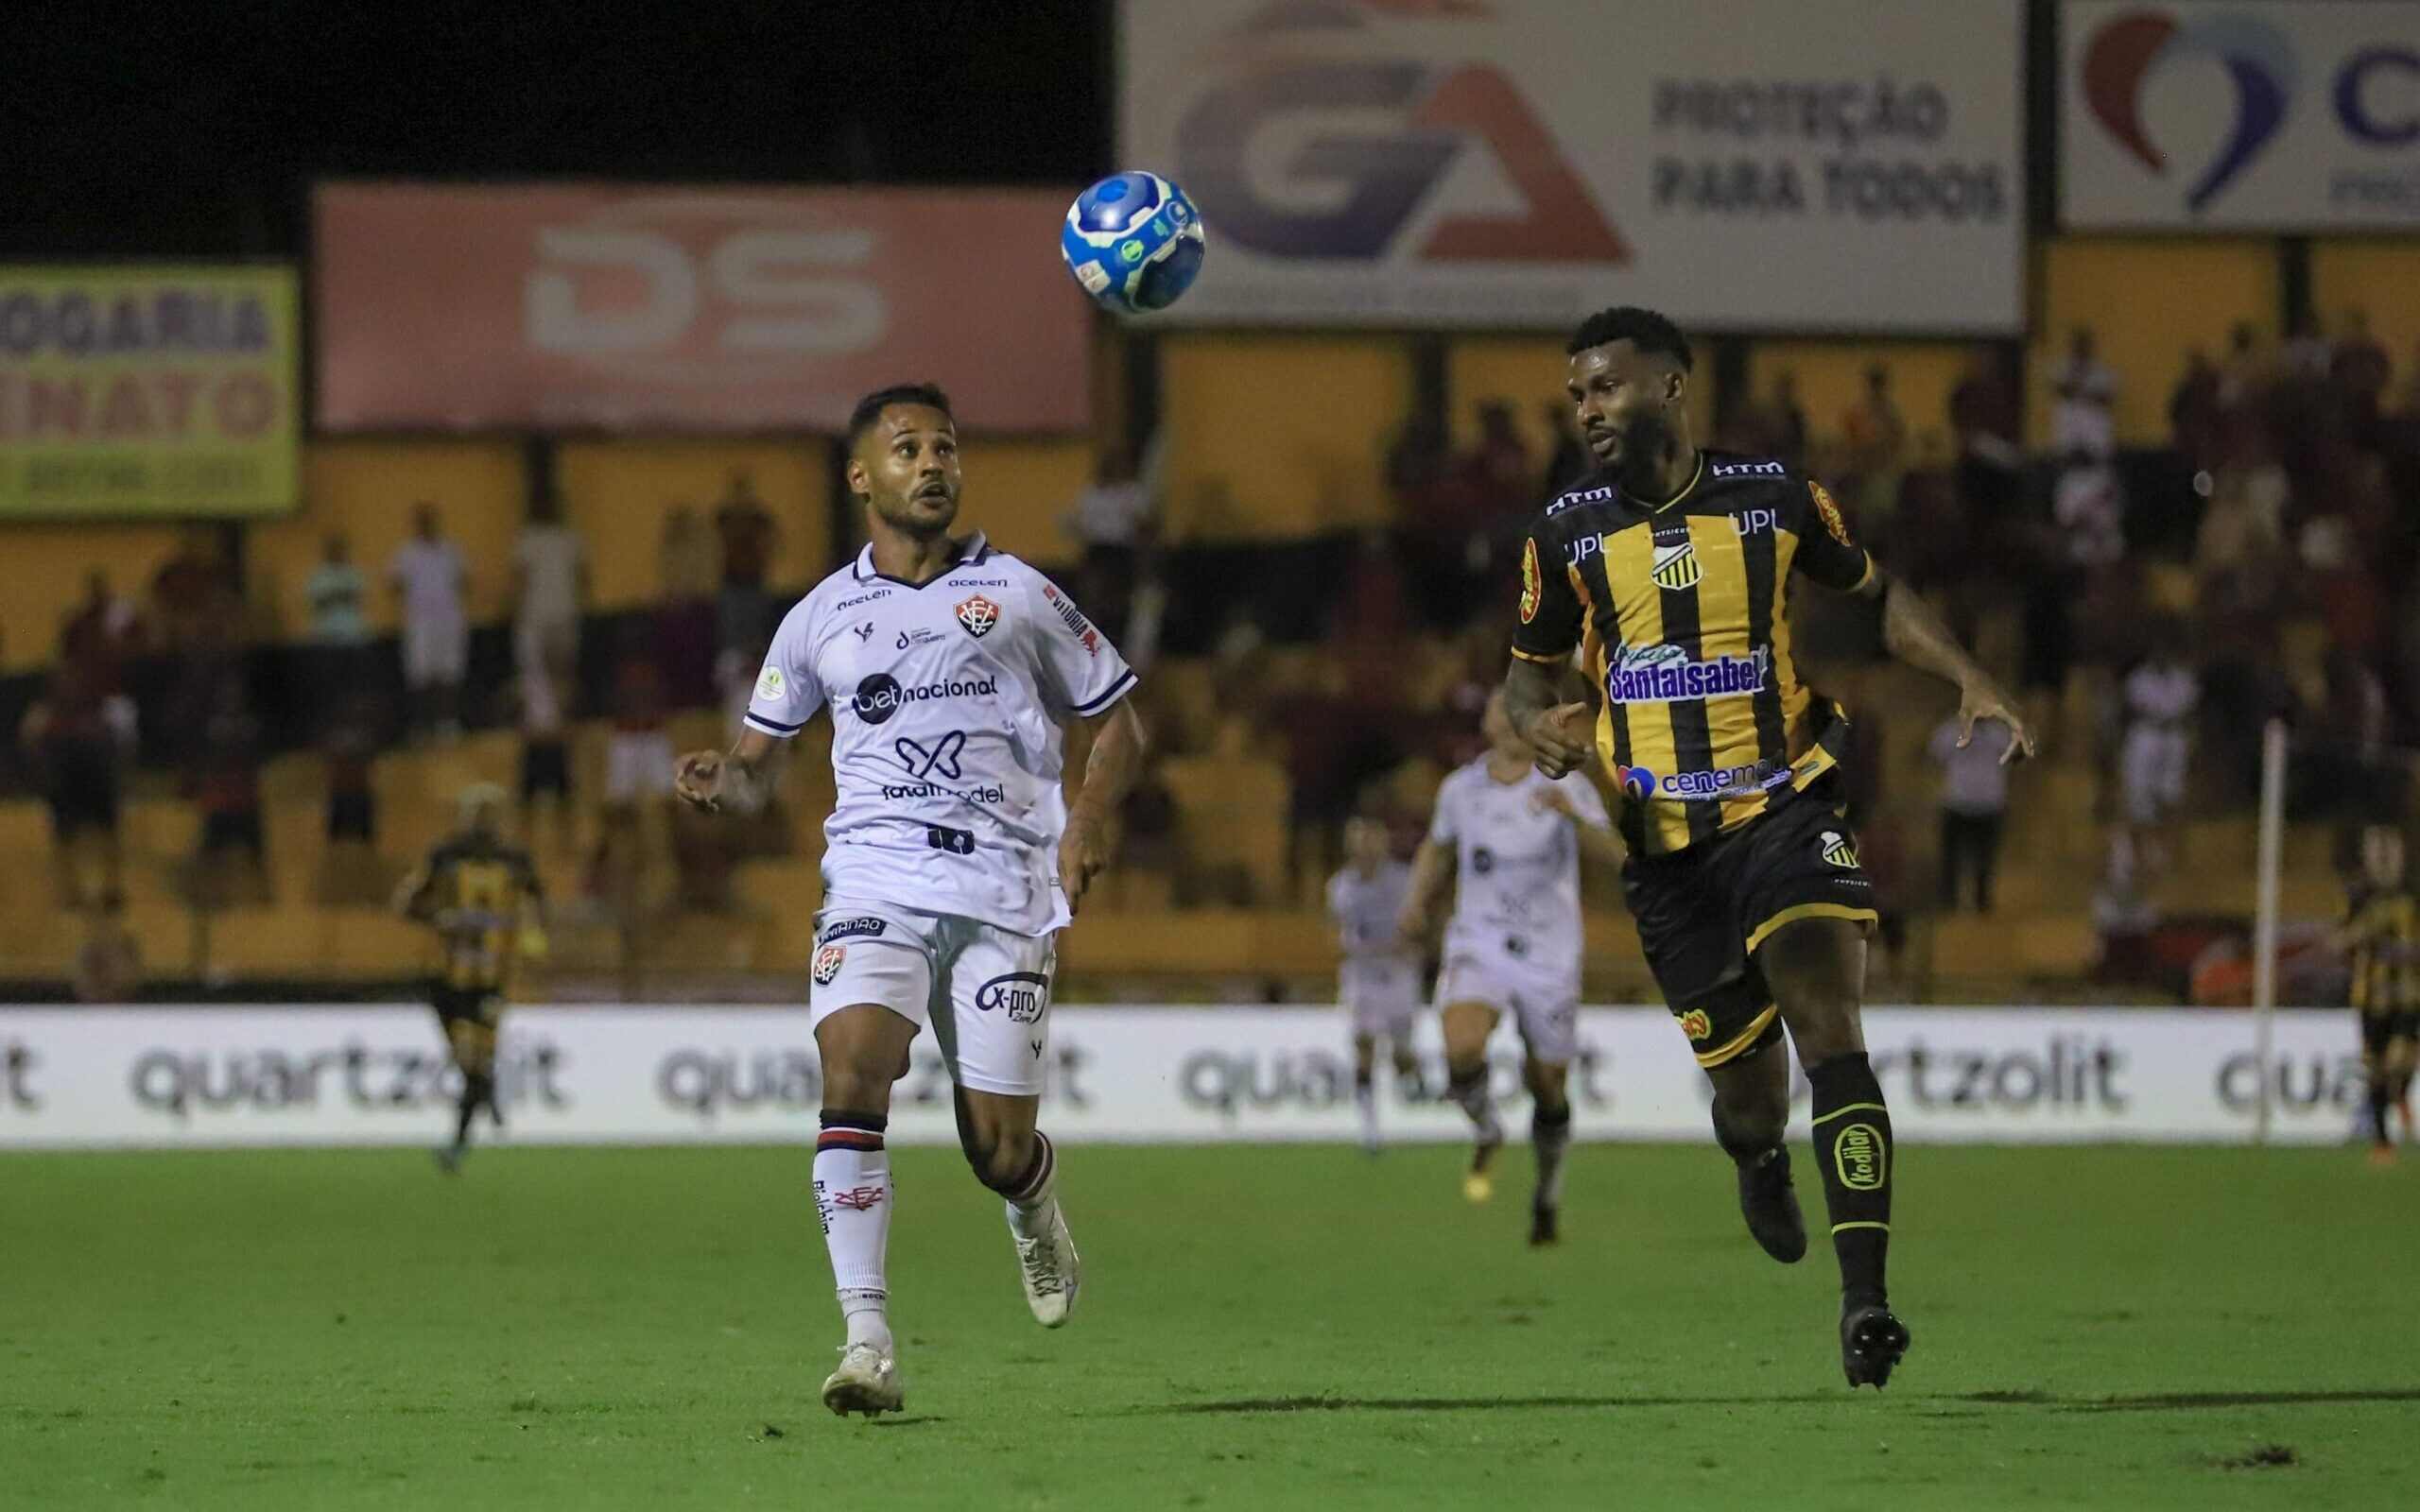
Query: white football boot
{"x": 867, "y": 1382}
{"x": 1048, "y": 1267}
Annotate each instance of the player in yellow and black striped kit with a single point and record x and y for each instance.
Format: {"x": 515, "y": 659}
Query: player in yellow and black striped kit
{"x": 2381, "y": 941}
{"x": 1668, "y": 574}
{"x": 480, "y": 893}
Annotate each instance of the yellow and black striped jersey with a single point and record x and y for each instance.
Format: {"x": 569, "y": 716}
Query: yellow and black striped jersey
{"x": 2383, "y": 933}
{"x": 479, "y": 895}
{"x": 1682, "y": 615}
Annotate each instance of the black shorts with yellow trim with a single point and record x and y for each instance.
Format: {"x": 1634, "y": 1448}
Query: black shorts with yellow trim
{"x": 480, "y": 1006}
{"x": 1702, "y": 913}
{"x": 2382, "y": 1029}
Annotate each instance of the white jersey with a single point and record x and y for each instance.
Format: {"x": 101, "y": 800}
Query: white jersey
{"x": 1368, "y": 912}
{"x": 1517, "y": 886}
{"x": 947, "y": 703}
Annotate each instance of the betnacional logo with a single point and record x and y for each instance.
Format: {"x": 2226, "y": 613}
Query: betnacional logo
{"x": 1529, "y": 585}
{"x": 2126, "y": 53}
{"x": 1325, "y": 133}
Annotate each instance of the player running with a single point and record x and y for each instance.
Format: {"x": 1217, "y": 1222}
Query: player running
{"x": 952, "y": 859}
{"x": 1378, "y": 983}
{"x": 1509, "y": 838}
{"x": 2381, "y": 942}
{"x": 1668, "y": 573}
{"x": 480, "y": 894}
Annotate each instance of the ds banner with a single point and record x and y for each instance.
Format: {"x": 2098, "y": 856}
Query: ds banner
{"x": 594, "y": 307}
{"x": 1851, "y": 164}
{"x": 665, "y": 1075}
{"x": 148, "y": 390}
{"x": 2240, "y": 115}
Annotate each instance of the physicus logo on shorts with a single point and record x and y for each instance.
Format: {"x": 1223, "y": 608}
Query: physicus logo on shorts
{"x": 1697, "y": 1024}
{"x": 827, "y": 963}
{"x": 771, "y": 684}
{"x": 1830, "y": 511}
{"x": 1863, "y": 1163}
{"x": 1665, "y": 674}
{"x": 1676, "y": 565}
{"x": 1837, "y": 849}
{"x": 978, "y": 614}
{"x": 1025, "y": 994}
{"x": 1529, "y": 585}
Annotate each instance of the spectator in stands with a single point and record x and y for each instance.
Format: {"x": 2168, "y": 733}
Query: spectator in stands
{"x": 1495, "y": 496}
{"x": 1973, "y": 804}
{"x": 198, "y": 619}
{"x": 109, "y": 964}
{"x": 102, "y": 638}
{"x": 1983, "y": 418}
{"x": 2122, "y": 917}
{"x": 549, "y": 587}
{"x": 2088, "y": 507}
{"x": 428, "y": 578}
{"x": 2360, "y": 372}
{"x": 686, "y": 631}
{"x": 1779, "y": 421}
{"x": 744, "y": 610}
{"x": 1568, "y": 464}
{"x": 2082, "y": 390}
{"x": 350, "y": 873}
{"x": 1876, "y": 436}
{"x": 639, "y": 756}
{"x": 337, "y": 641}
{"x": 1109, "y": 523}
{"x": 2194, "y": 413}
{"x": 76, "y": 745}
{"x": 233, "y": 863}
{"x": 2158, "y": 698}
{"x": 2244, "y": 371}
{"x": 2306, "y": 353}
{"x": 546, "y": 746}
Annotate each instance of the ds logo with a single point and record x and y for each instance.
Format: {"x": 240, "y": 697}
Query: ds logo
{"x": 704, "y": 290}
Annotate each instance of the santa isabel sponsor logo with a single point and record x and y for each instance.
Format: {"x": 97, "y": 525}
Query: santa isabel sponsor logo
{"x": 1665, "y": 674}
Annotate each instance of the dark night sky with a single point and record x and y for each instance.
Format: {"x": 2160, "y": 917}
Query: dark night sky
{"x": 191, "y": 129}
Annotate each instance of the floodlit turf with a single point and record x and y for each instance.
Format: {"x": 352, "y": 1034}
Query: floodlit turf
{"x": 1260, "y": 1328}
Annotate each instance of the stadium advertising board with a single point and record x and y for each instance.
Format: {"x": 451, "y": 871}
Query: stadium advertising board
{"x": 133, "y": 391}
{"x": 1756, "y": 164}
{"x": 205, "y": 1077}
{"x": 594, "y": 307}
{"x": 2240, "y": 115}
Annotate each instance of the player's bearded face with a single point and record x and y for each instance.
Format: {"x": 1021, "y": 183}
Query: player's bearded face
{"x": 907, "y": 466}
{"x": 1622, "y": 402}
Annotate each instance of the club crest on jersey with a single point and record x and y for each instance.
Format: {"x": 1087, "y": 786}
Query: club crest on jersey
{"x": 1529, "y": 586}
{"x": 1697, "y": 1024}
{"x": 1830, "y": 511}
{"x": 827, "y": 963}
{"x": 978, "y": 614}
{"x": 1676, "y": 565}
{"x": 1839, "y": 849}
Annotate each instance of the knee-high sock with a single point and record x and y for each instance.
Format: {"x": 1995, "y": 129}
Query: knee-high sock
{"x": 478, "y": 1090}
{"x": 1854, "y": 1153}
{"x": 2381, "y": 1098}
{"x": 1365, "y": 1102}
{"x": 1468, "y": 1089}
{"x": 1550, "y": 1133}
{"x": 853, "y": 1199}
{"x": 1034, "y": 1195}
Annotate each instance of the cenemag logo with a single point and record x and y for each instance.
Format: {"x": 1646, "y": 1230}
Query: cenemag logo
{"x": 1025, "y": 994}
{"x": 881, "y": 695}
{"x": 2123, "y": 54}
{"x": 1298, "y": 67}
{"x": 183, "y": 1083}
{"x": 1639, "y": 783}
{"x": 1665, "y": 674}
{"x": 1858, "y": 1154}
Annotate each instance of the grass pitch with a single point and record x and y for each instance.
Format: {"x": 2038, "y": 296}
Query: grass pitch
{"x": 1260, "y": 1328}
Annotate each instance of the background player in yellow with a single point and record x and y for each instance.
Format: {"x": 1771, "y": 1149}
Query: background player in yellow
{"x": 480, "y": 892}
{"x": 1668, "y": 573}
{"x": 2381, "y": 944}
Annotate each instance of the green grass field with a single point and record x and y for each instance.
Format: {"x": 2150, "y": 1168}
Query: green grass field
{"x": 1262, "y": 1329}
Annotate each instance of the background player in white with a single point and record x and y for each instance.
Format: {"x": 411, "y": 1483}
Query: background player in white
{"x": 1378, "y": 981}
{"x": 952, "y": 857}
{"x": 1508, "y": 837}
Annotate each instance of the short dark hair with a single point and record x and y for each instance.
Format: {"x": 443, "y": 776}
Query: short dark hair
{"x": 870, "y": 408}
{"x": 1644, "y": 329}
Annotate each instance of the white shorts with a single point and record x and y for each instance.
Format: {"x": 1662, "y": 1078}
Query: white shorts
{"x": 1545, "y": 1006}
{"x": 1382, "y": 997}
{"x": 638, "y": 765}
{"x": 2152, "y": 763}
{"x": 436, "y": 650}
{"x": 983, "y": 991}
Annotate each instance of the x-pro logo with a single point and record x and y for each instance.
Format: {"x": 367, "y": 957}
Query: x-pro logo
{"x": 939, "y": 760}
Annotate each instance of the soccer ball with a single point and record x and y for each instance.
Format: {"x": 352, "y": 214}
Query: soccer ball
{"x": 1134, "y": 241}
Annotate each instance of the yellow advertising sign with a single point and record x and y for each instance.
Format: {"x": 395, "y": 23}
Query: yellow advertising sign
{"x": 149, "y": 390}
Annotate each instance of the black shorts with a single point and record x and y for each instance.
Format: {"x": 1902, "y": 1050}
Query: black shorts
{"x": 2381, "y": 1029}
{"x": 1702, "y": 912}
{"x": 352, "y": 815}
{"x": 546, "y": 767}
{"x": 480, "y": 1006}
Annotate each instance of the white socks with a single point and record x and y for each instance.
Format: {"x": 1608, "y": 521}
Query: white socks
{"x": 853, "y": 1199}
{"x": 1036, "y": 1193}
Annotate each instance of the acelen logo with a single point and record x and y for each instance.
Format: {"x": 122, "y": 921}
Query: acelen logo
{"x": 702, "y": 290}
{"x": 1281, "y": 154}
{"x": 2129, "y": 51}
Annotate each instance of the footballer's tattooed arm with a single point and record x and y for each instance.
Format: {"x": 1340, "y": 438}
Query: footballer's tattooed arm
{"x": 1912, "y": 633}
{"x": 710, "y": 780}
{"x": 1557, "y": 731}
{"x": 1119, "y": 745}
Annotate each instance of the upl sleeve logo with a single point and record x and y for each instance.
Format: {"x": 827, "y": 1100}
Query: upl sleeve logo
{"x": 2134, "y": 48}
{"x": 1287, "y": 73}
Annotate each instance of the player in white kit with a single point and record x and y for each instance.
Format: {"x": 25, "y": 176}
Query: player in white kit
{"x": 952, "y": 857}
{"x": 1509, "y": 838}
{"x": 1378, "y": 981}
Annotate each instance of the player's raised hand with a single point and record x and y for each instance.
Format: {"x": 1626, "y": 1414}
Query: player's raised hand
{"x": 1558, "y": 738}
{"x": 1982, "y": 699}
{"x": 697, "y": 778}
{"x": 1083, "y": 851}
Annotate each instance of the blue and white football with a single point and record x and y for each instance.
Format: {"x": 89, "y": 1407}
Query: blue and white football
{"x": 1134, "y": 241}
